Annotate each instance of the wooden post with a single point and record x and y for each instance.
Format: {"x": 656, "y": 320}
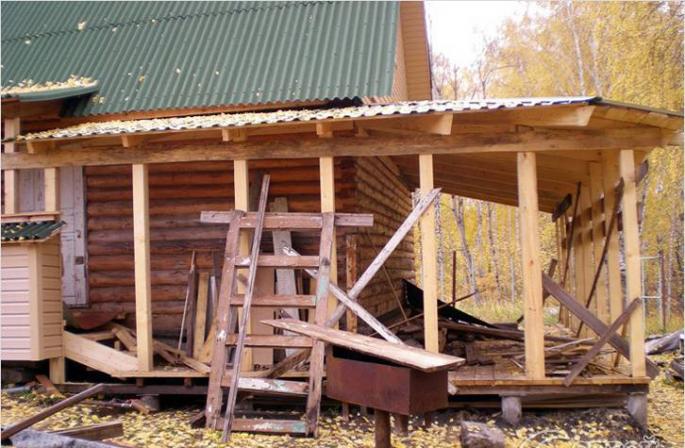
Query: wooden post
{"x": 12, "y": 129}
{"x": 600, "y": 300}
{"x": 631, "y": 249}
{"x": 350, "y": 277}
{"x": 51, "y": 185}
{"x": 327, "y": 184}
{"x": 56, "y": 366}
{"x": 141, "y": 251}
{"x": 241, "y": 194}
{"x": 586, "y": 250}
{"x": 429, "y": 258}
{"x": 383, "y": 431}
{"x": 610, "y": 176}
{"x": 534, "y": 339}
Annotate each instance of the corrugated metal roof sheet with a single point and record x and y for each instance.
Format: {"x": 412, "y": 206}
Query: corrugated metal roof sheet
{"x": 49, "y": 94}
{"x": 302, "y": 115}
{"x": 159, "y": 55}
{"x": 29, "y": 230}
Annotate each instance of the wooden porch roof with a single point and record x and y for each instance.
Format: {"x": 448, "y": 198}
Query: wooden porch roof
{"x": 474, "y": 143}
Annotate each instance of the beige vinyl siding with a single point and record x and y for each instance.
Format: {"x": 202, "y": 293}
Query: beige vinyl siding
{"x": 16, "y": 299}
{"x": 31, "y": 307}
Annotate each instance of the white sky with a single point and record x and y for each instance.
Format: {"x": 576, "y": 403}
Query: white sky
{"x": 453, "y": 26}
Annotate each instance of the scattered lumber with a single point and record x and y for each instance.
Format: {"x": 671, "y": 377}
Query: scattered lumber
{"x": 47, "y": 412}
{"x": 664, "y": 344}
{"x": 591, "y": 320}
{"x": 609, "y": 332}
{"x": 48, "y": 386}
{"x": 100, "y": 431}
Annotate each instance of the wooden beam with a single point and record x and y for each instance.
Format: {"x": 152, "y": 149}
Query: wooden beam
{"x": 598, "y": 232}
{"x": 610, "y": 174}
{"x": 141, "y": 251}
{"x": 288, "y": 221}
{"x": 47, "y": 412}
{"x": 294, "y": 148}
{"x": 11, "y": 186}
{"x": 530, "y": 267}
{"x": 631, "y": 250}
{"x": 51, "y": 189}
{"x": 327, "y": 184}
{"x": 57, "y": 370}
{"x": 201, "y": 314}
{"x": 429, "y": 269}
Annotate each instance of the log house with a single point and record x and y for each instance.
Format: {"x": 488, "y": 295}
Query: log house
{"x": 146, "y": 164}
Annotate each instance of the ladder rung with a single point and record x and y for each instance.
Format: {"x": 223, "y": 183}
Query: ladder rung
{"x": 267, "y": 426}
{"x": 268, "y": 386}
{"x": 278, "y": 301}
{"x": 268, "y": 340}
{"x": 281, "y": 261}
{"x": 288, "y": 220}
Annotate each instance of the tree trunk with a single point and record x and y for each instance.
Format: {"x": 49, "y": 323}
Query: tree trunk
{"x": 441, "y": 251}
{"x": 493, "y": 249}
{"x": 458, "y": 209}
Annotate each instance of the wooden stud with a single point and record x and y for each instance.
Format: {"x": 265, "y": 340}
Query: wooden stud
{"x": 201, "y": 314}
{"x": 12, "y": 126}
{"x": 631, "y": 249}
{"x": 327, "y": 183}
{"x": 609, "y": 177}
{"x": 530, "y": 267}
{"x": 350, "y": 277}
{"x": 141, "y": 251}
{"x": 241, "y": 192}
{"x": 598, "y": 231}
{"x": 429, "y": 270}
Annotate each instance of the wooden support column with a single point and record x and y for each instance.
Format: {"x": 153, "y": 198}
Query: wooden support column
{"x": 56, "y": 370}
{"x": 141, "y": 251}
{"x": 327, "y": 186}
{"x": 610, "y": 176}
{"x": 600, "y": 299}
{"x": 12, "y": 127}
{"x": 631, "y": 250}
{"x": 429, "y": 269}
{"x": 241, "y": 194}
{"x": 531, "y": 269}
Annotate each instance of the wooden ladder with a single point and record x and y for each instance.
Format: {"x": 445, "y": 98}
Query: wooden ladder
{"x": 229, "y": 344}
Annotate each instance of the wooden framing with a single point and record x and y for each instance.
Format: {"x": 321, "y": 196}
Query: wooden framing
{"x": 530, "y": 267}
{"x": 631, "y": 250}
{"x": 51, "y": 186}
{"x": 598, "y": 230}
{"x": 327, "y": 183}
{"x": 610, "y": 175}
{"x": 429, "y": 269}
{"x": 141, "y": 250}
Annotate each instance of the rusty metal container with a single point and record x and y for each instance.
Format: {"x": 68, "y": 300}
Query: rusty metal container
{"x": 376, "y": 383}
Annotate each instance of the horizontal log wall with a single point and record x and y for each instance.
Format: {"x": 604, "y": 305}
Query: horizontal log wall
{"x": 179, "y": 192}
{"x": 381, "y": 191}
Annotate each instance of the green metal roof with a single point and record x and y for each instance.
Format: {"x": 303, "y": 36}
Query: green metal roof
{"x": 29, "y": 230}
{"x": 159, "y": 55}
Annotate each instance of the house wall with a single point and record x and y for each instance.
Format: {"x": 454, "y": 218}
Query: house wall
{"x": 179, "y": 192}
{"x": 15, "y": 305}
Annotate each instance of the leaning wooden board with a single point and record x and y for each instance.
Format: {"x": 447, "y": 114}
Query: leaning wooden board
{"x": 415, "y": 358}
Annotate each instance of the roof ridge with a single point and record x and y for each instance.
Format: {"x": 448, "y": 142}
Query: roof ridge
{"x": 168, "y": 18}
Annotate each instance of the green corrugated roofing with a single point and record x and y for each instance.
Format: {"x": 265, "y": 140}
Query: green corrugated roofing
{"x": 52, "y": 94}
{"x": 29, "y": 230}
{"x": 158, "y": 55}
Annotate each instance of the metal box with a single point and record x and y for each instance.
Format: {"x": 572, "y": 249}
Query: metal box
{"x": 364, "y": 380}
